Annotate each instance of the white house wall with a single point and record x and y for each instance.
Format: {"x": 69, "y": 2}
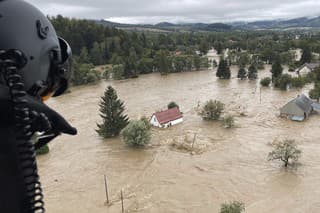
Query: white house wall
{"x": 171, "y": 123}
{"x": 154, "y": 121}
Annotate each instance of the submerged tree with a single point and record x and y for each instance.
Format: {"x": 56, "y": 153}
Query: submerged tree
{"x": 112, "y": 113}
{"x": 306, "y": 56}
{"x": 253, "y": 72}
{"x": 242, "y": 73}
{"x": 315, "y": 92}
{"x": 223, "y": 71}
{"x": 233, "y": 207}
{"x": 283, "y": 81}
{"x": 228, "y": 122}
{"x": 276, "y": 70}
{"x": 286, "y": 151}
{"x": 265, "y": 81}
{"x": 137, "y": 133}
{"x": 212, "y": 110}
{"x": 172, "y": 104}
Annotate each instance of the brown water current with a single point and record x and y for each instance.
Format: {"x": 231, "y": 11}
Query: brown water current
{"x": 232, "y": 164}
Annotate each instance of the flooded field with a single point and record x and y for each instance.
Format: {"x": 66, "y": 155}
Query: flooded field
{"x": 232, "y": 164}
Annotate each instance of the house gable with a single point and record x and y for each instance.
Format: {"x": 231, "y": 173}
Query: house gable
{"x": 292, "y": 109}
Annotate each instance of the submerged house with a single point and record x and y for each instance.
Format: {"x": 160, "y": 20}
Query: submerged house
{"x": 297, "y": 109}
{"x": 166, "y": 118}
{"x": 307, "y": 68}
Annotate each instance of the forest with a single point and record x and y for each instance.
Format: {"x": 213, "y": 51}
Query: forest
{"x": 130, "y": 53}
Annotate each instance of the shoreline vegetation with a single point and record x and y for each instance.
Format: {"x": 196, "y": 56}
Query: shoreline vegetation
{"x": 123, "y": 54}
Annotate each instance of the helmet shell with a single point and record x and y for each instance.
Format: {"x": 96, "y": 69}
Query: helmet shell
{"x": 25, "y": 28}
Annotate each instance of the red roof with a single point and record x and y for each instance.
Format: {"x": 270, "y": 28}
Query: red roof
{"x": 168, "y": 115}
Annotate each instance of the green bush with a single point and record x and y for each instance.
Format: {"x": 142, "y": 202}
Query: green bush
{"x": 107, "y": 72}
{"x": 228, "y": 121}
{"x": 298, "y": 82}
{"x": 118, "y": 72}
{"x": 43, "y": 150}
{"x": 172, "y": 104}
{"x": 84, "y": 74}
{"x": 136, "y": 133}
{"x": 265, "y": 81}
{"x": 283, "y": 81}
{"x": 233, "y": 207}
{"x": 310, "y": 77}
{"x": 146, "y": 121}
{"x": 92, "y": 77}
{"x": 212, "y": 110}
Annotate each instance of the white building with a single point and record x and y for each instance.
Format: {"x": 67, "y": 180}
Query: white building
{"x": 166, "y": 118}
{"x": 307, "y": 68}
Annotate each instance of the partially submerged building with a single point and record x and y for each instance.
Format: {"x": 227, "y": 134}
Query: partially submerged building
{"x": 166, "y": 118}
{"x": 307, "y": 68}
{"x": 297, "y": 109}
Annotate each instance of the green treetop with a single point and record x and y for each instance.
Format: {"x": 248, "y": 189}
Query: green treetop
{"x": 112, "y": 114}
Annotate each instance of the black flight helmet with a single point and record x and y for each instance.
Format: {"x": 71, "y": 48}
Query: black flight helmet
{"x": 48, "y": 57}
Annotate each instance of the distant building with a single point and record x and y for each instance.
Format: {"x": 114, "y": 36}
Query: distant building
{"x": 307, "y": 68}
{"x": 166, "y": 118}
{"x": 297, "y": 109}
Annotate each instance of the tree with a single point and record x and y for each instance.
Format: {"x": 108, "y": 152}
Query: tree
{"x": 283, "y": 81}
{"x": 112, "y": 114}
{"x": 84, "y": 74}
{"x": 233, "y": 207}
{"x": 286, "y": 151}
{"x": 223, "y": 71}
{"x": 298, "y": 82}
{"x": 204, "y": 63}
{"x": 118, "y": 72}
{"x": 172, "y": 104}
{"x": 265, "y": 81}
{"x": 253, "y": 73}
{"x": 242, "y": 73}
{"x": 276, "y": 70}
{"x": 315, "y": 92}
{"x": 212, "y": 110}
{"x": 145, "y": 65}
{"x": 136, "y": 133}
{"x": 204, "y": 46}
{"x": 197, "y": 62}
{"x": 131, "y": 64}
{"x": 146, "y": 121}
{"x": 96, "y": 54}
{"x": 163, "y": 63}
{"x": 84, "y": 56}
{"x": 244, "y": 59}
{"x": 228, "y": 121}
{"x": 306, "y": 56}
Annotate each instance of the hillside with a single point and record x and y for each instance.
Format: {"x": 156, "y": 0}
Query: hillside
{"x": 303, "y": 22}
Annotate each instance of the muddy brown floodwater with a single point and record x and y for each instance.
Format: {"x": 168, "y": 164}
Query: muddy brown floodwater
{"x": 232, "y": 164}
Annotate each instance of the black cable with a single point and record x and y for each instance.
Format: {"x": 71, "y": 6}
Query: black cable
{"x": 11, "y": 61}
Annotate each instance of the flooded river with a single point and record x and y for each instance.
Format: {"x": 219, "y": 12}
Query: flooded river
{"x": 232, "y": 166}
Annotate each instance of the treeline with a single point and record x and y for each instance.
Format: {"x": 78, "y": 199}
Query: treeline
{"x": 135, "y": 52}
{"x": 144, "y": 52}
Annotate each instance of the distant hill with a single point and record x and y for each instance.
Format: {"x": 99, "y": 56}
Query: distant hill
{"x": 302, "y": 22}
{"x": 169, "y": 26}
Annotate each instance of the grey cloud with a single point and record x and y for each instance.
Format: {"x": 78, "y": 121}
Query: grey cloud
{"x": 152, "y": 11}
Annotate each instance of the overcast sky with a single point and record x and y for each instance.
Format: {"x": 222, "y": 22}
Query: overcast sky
{"x": 154, "y": 11}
